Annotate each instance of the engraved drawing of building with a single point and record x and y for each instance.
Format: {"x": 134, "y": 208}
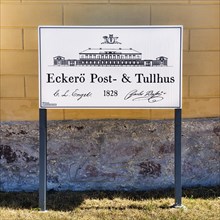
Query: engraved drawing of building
{"x": 110, "y": 57}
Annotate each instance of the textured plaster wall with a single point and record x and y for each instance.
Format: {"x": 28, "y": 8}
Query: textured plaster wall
{"x": 109, "y": 154}
{"x": 19, "y": 20}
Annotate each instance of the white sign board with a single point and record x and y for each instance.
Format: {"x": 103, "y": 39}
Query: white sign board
{"x": 110, "y": 66}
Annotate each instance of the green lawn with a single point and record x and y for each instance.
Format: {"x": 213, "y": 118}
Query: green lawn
{"x": 200, "y": 203}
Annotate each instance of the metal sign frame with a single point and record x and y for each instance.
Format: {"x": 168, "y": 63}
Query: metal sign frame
{"x": 43, "y": 127}
{"x": 110, "y": 67}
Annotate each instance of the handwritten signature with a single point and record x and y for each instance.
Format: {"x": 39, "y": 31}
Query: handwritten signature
{"x": 76, "y": 94}
{"x": 149, "y": 96}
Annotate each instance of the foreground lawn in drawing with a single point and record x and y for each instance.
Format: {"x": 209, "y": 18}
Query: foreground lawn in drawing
{"x": 201, "y": 203}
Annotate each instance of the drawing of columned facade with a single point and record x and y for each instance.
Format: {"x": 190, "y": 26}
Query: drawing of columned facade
{"x": 110, "y": 57}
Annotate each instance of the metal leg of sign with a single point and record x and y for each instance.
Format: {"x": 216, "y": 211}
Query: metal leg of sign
{"x": 178, "y": 184}
{"x": 43, "y": 159}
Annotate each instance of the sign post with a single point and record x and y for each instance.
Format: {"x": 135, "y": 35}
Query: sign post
{"x": 177, "y": 162}
{"x": 110, "y": 67}
{"x": 43, "y": 159}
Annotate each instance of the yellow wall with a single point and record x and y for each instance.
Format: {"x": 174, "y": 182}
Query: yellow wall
{"x": 19, "y": 55}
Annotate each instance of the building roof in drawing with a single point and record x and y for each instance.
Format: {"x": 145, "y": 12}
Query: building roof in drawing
{"x": 110, "y": 51}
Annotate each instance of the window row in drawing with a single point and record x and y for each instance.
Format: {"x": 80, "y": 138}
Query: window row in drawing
{"x": 112, "y": 57}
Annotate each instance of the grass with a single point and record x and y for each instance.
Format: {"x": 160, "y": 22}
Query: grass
{"x": 201, "y": 203}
